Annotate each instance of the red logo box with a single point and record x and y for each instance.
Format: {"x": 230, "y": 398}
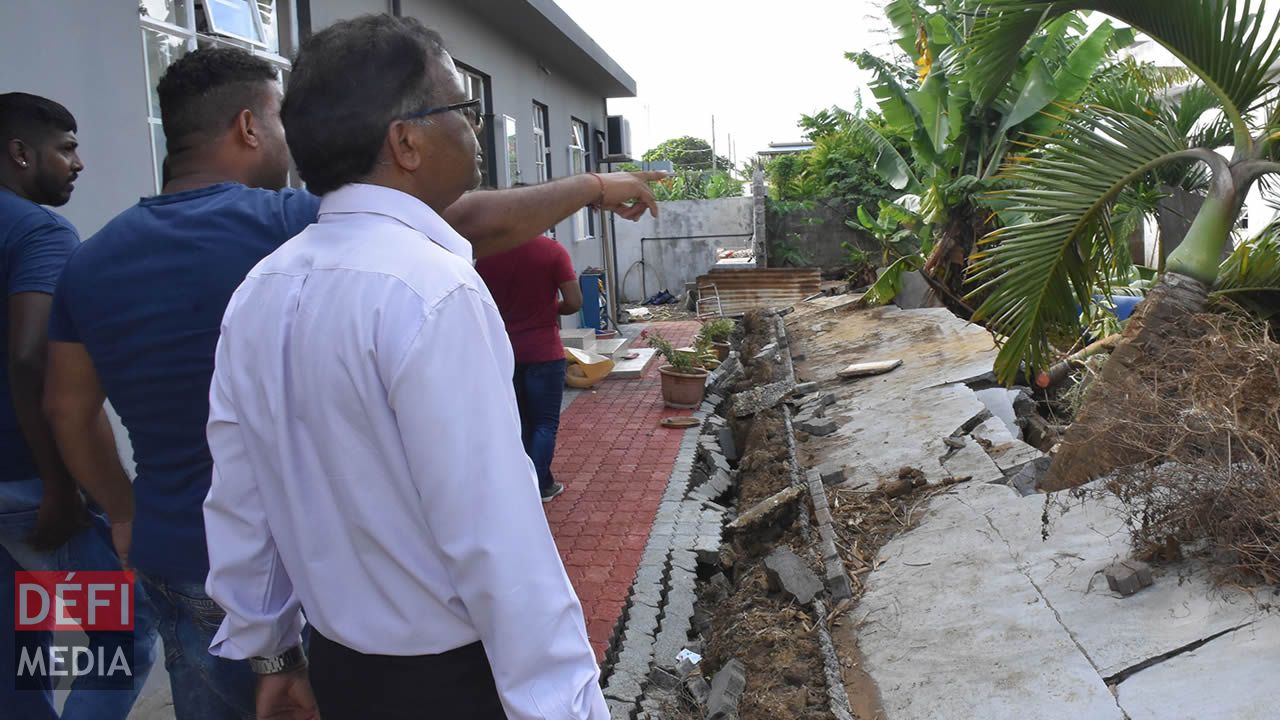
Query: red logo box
{"x": 95, "y": 600}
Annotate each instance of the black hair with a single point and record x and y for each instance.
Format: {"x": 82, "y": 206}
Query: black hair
{"x": 32, "y": 118}
{"x": 348, "y": 82}
{"x": 203, "y": 91}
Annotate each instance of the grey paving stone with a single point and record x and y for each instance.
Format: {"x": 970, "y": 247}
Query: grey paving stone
{"x": 620, "y": 710}
{"x": 726, "y": 690}
{"x": 788, "y": 573}
{"x": 622, "y": 686}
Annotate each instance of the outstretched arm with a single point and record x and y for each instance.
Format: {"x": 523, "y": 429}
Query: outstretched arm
{"x": 499, "y": 220}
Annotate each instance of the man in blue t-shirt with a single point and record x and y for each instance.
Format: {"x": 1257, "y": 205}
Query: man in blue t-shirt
{"x": 44, "y": 524}
{"x": 137, "y": 315}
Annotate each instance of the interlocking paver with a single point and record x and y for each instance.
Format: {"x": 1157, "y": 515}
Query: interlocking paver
{"x": 614, "y": 460}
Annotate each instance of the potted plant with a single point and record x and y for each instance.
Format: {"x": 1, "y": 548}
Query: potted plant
{"x": 717, "y": 333}
{"x": 684, "y": 376}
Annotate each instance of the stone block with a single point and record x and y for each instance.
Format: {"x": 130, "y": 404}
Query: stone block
{"x": 623, "y": 687}
{"x": 788, "y": 573}
{"x": 1128, "y": 576}
{"x": 818, "y": 427}
{"x": 698, "y": 688}
{"x": 664, "y": 679}
{"x": 619, "y": 710}
{"x": 839, "y": 587}
{"x": 806, "y": 388}
{"x": 726, "y": 690}
{"x": 727, "y": 445}
{"x": 1027, "y": 478}
{"x": 831, "y": 474}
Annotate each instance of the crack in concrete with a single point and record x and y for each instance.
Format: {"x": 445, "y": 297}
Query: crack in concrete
{"x": 1057, "y": 616}
{"x": 1132, "y": 670}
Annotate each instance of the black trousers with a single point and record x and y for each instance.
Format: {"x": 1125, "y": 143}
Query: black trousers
{"x": 349, "y": 685}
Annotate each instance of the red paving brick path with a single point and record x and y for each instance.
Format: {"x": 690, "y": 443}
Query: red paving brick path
{"x": 614, "y": 460}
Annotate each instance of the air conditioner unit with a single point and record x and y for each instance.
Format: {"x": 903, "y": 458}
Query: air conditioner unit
{"x": 619, "y": 137}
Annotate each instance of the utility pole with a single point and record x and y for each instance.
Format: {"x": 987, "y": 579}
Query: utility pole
{"x": 713, "y": 143}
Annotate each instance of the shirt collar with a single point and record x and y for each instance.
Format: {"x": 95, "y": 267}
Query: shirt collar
{"x": 400, "y": 206}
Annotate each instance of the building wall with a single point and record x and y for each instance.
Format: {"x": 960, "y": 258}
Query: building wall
{"x": 95, "y": 68}
{"x": 679, "y": 245}
{"x": 517, "y": 78}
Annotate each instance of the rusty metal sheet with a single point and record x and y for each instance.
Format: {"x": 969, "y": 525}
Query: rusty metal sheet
{"x": 742, "y": 290}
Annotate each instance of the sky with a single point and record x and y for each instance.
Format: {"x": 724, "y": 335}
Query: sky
{"x": 755, "y": 66}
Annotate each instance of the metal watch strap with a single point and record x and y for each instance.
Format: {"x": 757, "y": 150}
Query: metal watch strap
{"x": 292, "y": 659}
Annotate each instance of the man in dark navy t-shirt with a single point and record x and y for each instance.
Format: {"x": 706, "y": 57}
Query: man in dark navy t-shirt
{"x": 137, "y": 314}
{"x": 44, "y": 524}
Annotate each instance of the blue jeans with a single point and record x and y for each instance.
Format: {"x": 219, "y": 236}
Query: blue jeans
{"x": 91, "y": 697}
{"x": 204, "y": 687}
{"x": 539, "y": 390}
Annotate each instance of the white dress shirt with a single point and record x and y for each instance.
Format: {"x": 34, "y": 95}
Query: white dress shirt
{"x": 368, "y": 464}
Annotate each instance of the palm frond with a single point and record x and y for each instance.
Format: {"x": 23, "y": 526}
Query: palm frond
{"x": 1034, "y": 275}
{"x": 1251, "y": 274}
{"x": 1230, "y": 44}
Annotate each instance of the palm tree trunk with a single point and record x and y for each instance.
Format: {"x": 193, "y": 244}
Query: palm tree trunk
{"x": 1087, "y": 452}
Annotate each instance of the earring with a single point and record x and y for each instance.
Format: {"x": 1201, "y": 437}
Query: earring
{"x": 23, "y": 163}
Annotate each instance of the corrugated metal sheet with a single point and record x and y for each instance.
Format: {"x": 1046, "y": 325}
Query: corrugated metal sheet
{"x": 743, "y": 290}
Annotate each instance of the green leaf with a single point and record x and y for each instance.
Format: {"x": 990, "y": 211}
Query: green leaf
{"x": 891, "y": 166}
{"x": 1074, "y": 76}
{"x": 931, "y": 100}
{"x": 1039, "y": 90}
{"x": 894, "y": 103}
{"x": 889, "y": 284}
{"x": 1035, "y": 274}
{"x": 1250, "y": 276}
{"x": 1230, "y": 48}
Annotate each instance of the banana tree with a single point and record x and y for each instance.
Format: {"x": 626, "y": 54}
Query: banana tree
{"x": 1036, "y": 274}
{"x": 960, "y": 138}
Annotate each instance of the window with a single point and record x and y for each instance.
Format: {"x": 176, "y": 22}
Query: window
{"x": 541, "y": 143}
{"x": 172, "y": 28}
{"x": 511, "y": 145}
{"x": 584, "y": 219}
{"x": 477, "y": 88}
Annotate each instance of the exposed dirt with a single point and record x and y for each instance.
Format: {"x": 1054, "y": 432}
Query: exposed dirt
{"x": 765, "y": 460}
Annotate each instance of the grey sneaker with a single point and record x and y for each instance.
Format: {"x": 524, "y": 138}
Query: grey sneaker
{"x": 550, "y": 493}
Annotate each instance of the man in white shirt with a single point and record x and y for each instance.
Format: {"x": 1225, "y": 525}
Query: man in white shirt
{"x": 366, "y": 443}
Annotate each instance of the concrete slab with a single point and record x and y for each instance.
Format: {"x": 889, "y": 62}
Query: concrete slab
{"x": 972, "y": 462}
{"x": 1230, "y": 678}
{"x": 580, "y": 338}
{"x": 611, "y": 347}
{"x": 634, "y": 368}
{"x": 898, "y": 419}
{"x": 1116, "y": 632}
{"x": 1006, "y": 450}
{"x": 949, "y": 627}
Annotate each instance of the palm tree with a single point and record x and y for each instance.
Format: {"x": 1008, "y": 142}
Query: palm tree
{"x": 1037, "y": 274}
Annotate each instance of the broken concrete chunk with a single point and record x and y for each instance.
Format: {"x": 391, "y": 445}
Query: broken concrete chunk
{"x": 805, "y": 388}
{"x": 1128, "y": 576}
{"x": 726, "y": 690}
{"x": 663, "y": 679}
{"x": 816, "y": 426}
{"x": 757, "y": 399}
{"x": 831, "y": 474}
{"x": 768, "y": 509}
{"x": 858, "y": 370}
{"x": 791, "y": 575}
{"x": 954, "y": 443}
{"x": 765, "y": 352}
{"x": 699, "y": 688}
{"x": 1027, "y": 478}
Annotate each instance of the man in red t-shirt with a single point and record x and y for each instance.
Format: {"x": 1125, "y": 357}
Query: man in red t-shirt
{"x": 533, "y": 285}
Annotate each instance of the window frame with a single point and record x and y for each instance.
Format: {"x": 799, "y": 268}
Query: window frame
{"x": 488, "y": 136}
{"x": 583, "y": 219}
{"x": 541, "y": 141}
{"x": 191, "y": 38}
{"x": 511, "y": 150}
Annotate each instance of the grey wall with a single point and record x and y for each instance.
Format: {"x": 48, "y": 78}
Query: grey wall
{"x": 516, "y": 79}
{"x": 87, "y": 55}
{"x": 819, "y": 234}
{"x": 675, "y": 249}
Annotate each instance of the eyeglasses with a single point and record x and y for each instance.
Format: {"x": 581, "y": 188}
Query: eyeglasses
{"x": 470, "y": 110}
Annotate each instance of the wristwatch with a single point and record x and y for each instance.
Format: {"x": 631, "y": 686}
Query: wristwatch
{"x": 288, "y": 661}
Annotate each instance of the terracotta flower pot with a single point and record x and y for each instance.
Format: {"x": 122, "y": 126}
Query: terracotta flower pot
{"x": 722, "y": 350}
{"x": 683, "y": 389}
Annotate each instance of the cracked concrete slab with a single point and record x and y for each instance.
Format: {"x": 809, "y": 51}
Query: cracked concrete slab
{"x": 971, "y": 461}
{"x": 950, "y": 628}
{"x": 1229, "y": 678}
{"x": 899, "y": 419}
{"x": 1116, "y": 632}
{"x": 1006, "y": 450}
